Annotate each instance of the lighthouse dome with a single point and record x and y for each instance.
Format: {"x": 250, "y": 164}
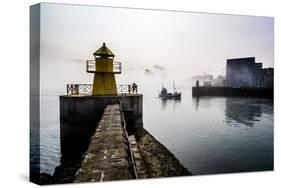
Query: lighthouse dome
{"x": 104, "y": 52}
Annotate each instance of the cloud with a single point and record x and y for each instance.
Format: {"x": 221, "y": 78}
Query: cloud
{"x": 154, "y": 70}
{"x": 158, "y": 67}
{"x": 148, "y": 72}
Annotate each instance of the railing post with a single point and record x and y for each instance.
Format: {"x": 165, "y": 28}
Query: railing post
{"x": 71, "y": 89}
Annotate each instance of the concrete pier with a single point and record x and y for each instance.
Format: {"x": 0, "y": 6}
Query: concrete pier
{"x": 89, "y": 108}
{"x": 79, "y": 116}
{"x": 108, "y": 156}
{"x": 111, "y": 154}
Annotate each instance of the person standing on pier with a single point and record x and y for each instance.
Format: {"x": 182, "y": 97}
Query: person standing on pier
{"x": 134, "y": 88}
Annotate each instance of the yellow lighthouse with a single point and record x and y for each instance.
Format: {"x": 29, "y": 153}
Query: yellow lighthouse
{"x": 105, "y": 69}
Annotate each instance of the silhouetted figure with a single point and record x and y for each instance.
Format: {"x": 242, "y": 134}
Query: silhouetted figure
{"x": 134, "y": 88}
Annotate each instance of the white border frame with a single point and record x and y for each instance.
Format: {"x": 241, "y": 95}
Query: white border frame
{"x": 15, "y": 78}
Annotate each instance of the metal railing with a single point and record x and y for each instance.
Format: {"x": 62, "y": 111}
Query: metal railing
{"x": 79, "y": 89}
{"x": 86, "y": 89}
{"x": 127, "y": 89}
{"x": 123, "y": 89}
{"x": 92, "y": 68}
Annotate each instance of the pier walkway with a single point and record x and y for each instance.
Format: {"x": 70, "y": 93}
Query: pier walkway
{"x": 109, "y": 156}
{"x": 113, "y": 155}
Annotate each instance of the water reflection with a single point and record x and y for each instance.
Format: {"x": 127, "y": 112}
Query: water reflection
{"x": 243, "y": 111}
{"x": 238, "y": 110}
{"x": 206, "y": 102}
{"x": 196, "y": 102}
{"x": 175, "y": 103}
{"x": 164, "y": 104}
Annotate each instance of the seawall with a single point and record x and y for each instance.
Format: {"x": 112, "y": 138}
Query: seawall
{"x": 229, "y": 91}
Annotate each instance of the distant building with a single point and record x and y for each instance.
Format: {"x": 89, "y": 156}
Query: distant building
{"x": 219, "y": 81}
{"x": 207, "y": 83}
{"x": 245, "y": 72}
{"x": 208, "y": 77}
{"x": 205, "y": 80}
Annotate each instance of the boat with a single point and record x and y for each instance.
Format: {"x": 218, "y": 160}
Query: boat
{"x": 164, "y": 94}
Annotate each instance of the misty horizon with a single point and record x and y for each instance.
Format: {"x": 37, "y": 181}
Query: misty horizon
{"x": 154, "y": 47}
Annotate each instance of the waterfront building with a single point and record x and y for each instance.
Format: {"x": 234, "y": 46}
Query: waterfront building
{"x": 268, "y": 77}
{"x": 245, "y": 72}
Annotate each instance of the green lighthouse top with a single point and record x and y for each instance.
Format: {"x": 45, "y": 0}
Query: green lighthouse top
{"x": 104, "y": 51}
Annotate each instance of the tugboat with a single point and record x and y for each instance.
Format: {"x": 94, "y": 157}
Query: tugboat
{"x": 165, "y": 95}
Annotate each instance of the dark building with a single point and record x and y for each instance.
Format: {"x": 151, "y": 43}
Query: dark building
{"x": 240, "y": 72}
{"x": 245, "y": 72}
{"x": 268, "y": 78}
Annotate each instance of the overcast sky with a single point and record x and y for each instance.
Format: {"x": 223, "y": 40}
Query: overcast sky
{"x": 154, "y": 46}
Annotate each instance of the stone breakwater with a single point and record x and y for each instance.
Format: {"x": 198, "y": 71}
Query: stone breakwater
{"x": 158, "y": 160}
{"x": 112, "y": 154}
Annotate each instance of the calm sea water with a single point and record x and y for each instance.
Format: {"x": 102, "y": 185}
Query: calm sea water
{"x": 208, "y": 134}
